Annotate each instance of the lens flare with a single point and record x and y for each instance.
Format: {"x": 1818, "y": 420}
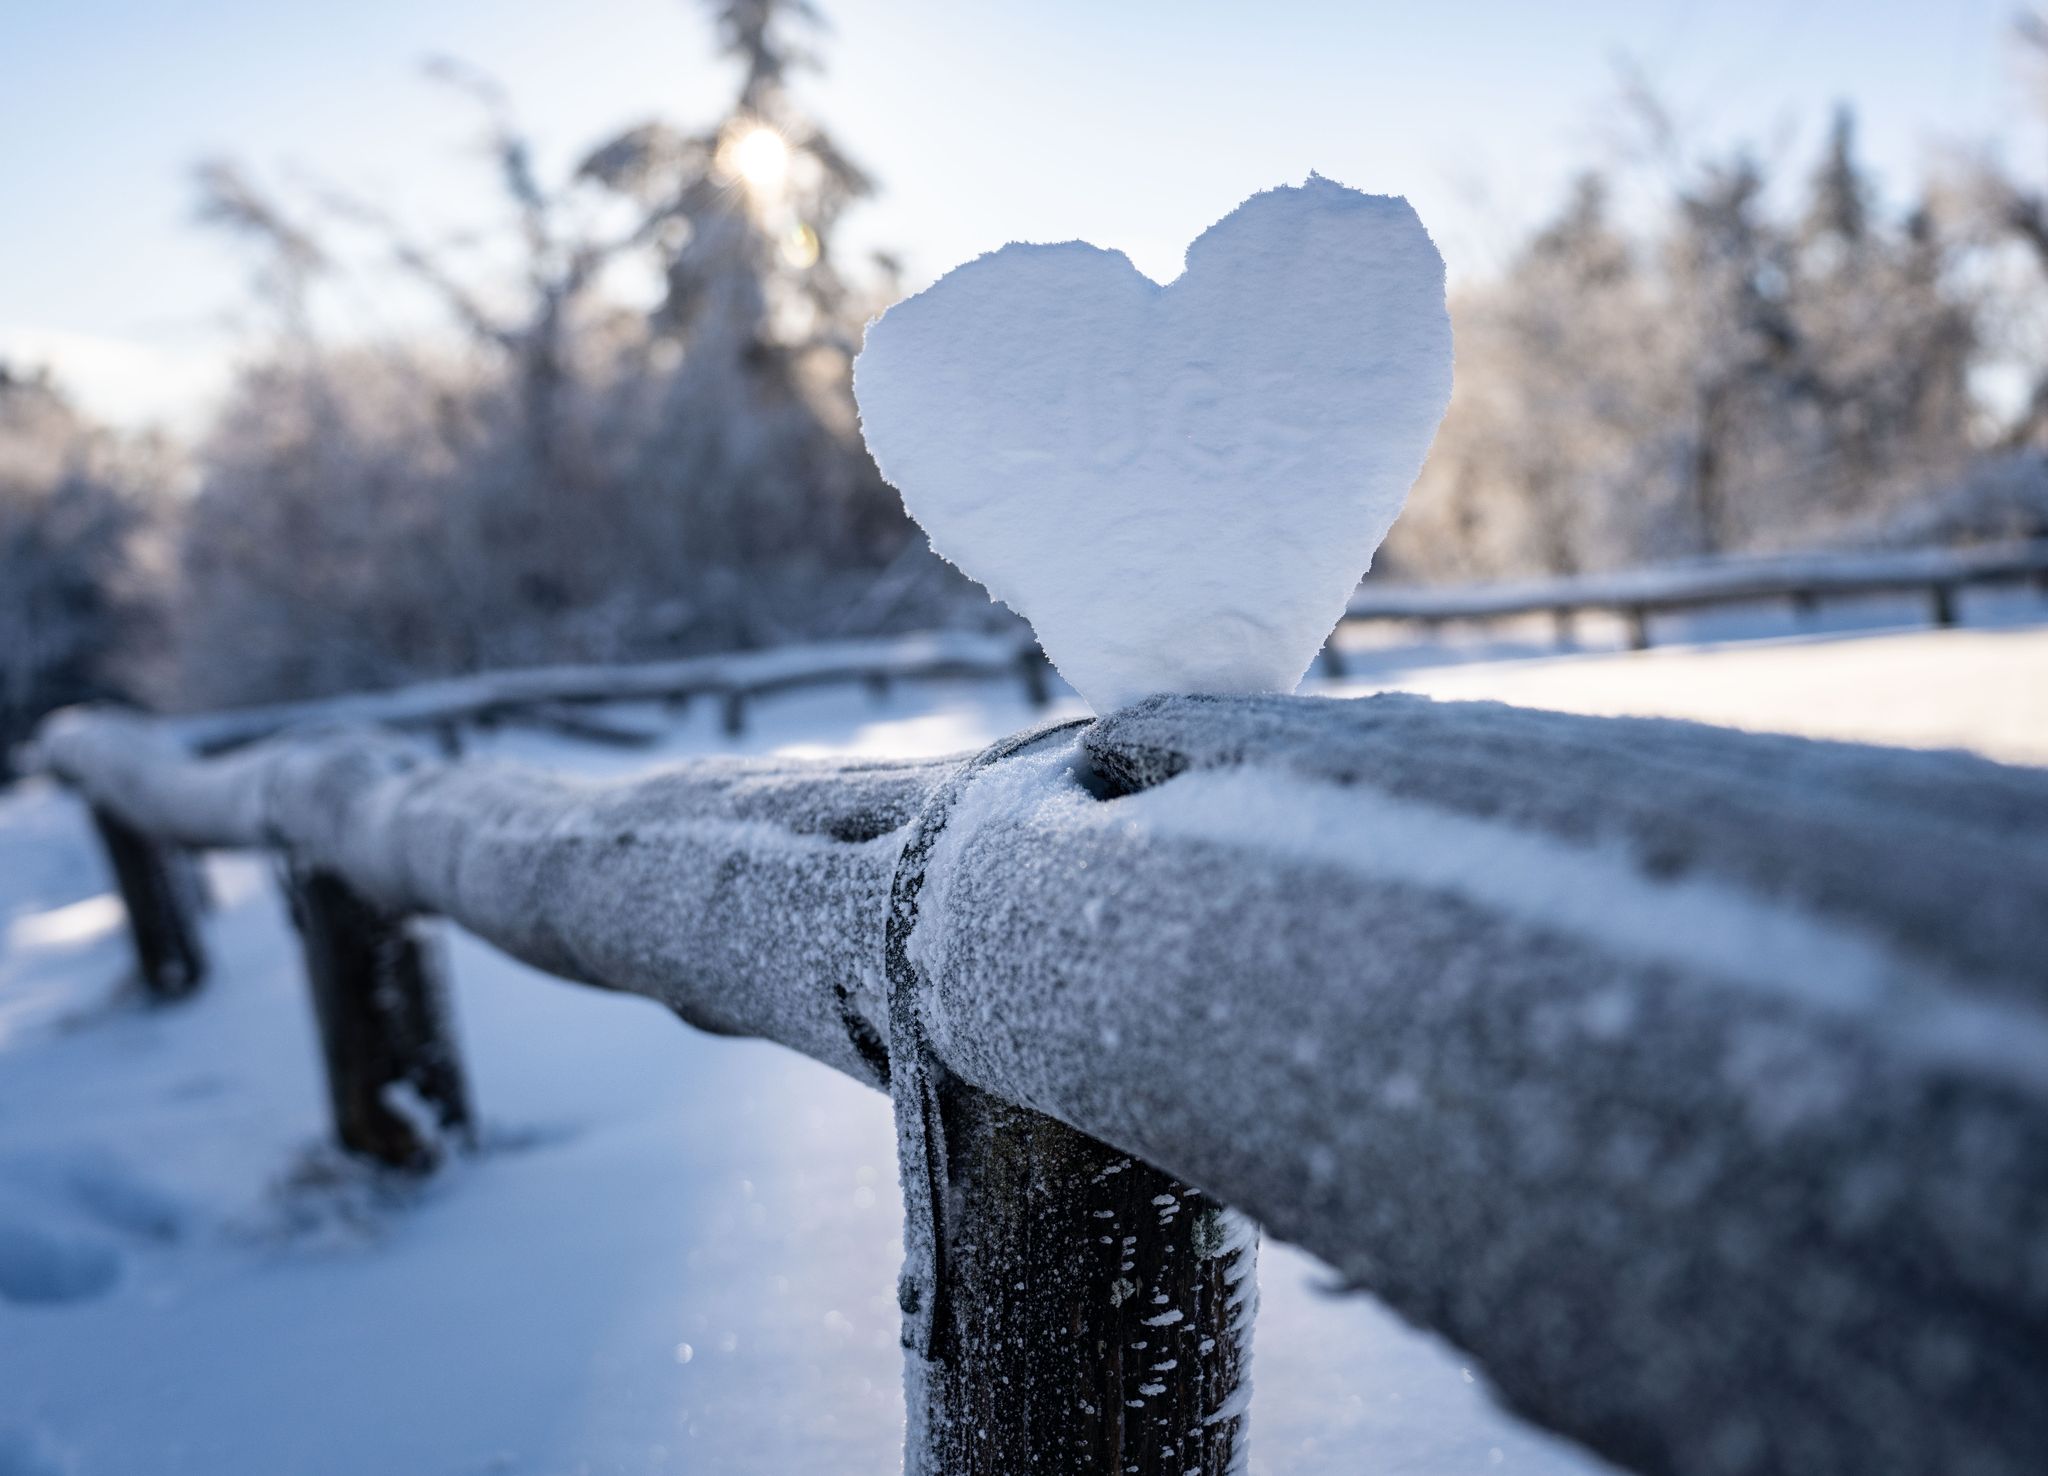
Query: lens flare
{"x": 800, "y": 247}
{"x": 758, "y": 157}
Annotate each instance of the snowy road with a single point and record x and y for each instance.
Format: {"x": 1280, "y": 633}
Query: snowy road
{"x": 679, "y": 1253}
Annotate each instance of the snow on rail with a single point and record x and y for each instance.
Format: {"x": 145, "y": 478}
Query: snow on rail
{"x": 1696, "y": 1082}
{"x": 1708, "y": 582}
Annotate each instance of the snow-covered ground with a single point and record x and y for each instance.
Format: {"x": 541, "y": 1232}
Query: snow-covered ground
{"x": 1985, "y": 690}
{"x": 676, "y": 1253}
{"x": 1868, "y": 670}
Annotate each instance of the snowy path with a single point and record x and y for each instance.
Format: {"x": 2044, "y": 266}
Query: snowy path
{"x": 168, "y": 1303}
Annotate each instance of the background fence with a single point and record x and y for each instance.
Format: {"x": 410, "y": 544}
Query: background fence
{"x": 1640, "y": 595}
{"x": 563, "y": 698}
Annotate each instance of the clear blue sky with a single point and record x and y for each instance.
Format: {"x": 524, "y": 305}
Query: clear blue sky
{"x": 1132, "y": 124}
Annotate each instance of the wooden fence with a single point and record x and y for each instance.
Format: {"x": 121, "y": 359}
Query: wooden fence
{"x": 549, "y": 695}
{"x": 1695, "y": 1082}
{"x": 563, "y": 698}
{"x": 1638, "y": 595}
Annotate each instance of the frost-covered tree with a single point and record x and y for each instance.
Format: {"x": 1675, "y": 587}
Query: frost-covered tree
{"x": 1553, "y": 423}
{"x": 1743, "y": 376}
{"x": 1729, "y": 377}
{"x": 570, "y": 473}
{"x": 756, "y": 313}
{"x": 79, "y": 573}
{"x": 1888, "y": 337}
{"x": 1999, "y": 208}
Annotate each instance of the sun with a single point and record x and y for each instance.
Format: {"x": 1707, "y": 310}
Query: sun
{"x": 758, "y": 156}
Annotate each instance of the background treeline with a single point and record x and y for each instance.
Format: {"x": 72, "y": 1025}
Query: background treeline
{"x": 639, "y": 438}
{"x": 1756, "y": 363}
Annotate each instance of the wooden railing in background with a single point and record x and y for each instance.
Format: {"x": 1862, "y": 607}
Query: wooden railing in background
{"x": 547, "y": 694}
{"x": 565, "y": 698}
{"x": 1638, "y": 595}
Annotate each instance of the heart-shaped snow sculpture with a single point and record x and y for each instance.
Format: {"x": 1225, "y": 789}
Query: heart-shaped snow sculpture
{"x": 1178, "y": 486}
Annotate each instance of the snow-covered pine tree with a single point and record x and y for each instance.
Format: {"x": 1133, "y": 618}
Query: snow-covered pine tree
{"x": 1889, "y": 343}
{"x": 756, "y": 313}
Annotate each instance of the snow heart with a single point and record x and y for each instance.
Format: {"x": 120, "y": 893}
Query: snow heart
{"x": 1178, "y": 486}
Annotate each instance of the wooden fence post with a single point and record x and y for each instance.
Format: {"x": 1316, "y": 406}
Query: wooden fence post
{"x": 157, "y": 886}
{"x": 190, "y": 870}
{"x": 1032, "y": 666}
{"x": 394, "y": 1077}
{"x": 1094, "y": 1315}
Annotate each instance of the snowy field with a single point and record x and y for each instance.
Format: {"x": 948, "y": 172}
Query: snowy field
{"x": 676, "y": 1253}
{"x": 1866, "y": 670}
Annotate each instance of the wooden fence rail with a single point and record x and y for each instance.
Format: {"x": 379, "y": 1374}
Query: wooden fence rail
{"x": 560, "y": 698}
{"x": 1695, "y": 1082}
{"x": 1637, "y": 595}
{"x": 551, "y": 694}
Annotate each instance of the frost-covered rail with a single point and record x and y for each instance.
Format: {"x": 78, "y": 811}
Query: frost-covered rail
{"x": 1695, "y": 1082}
{"x": 1638, "y": 594}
